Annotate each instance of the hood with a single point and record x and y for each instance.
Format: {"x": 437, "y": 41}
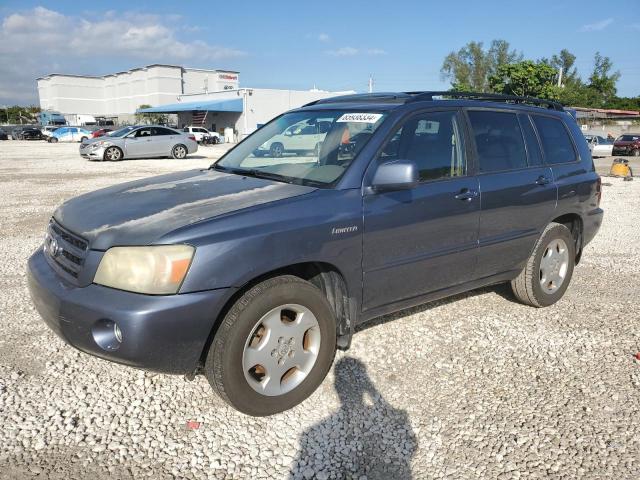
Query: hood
{"x": 140, "y": 212}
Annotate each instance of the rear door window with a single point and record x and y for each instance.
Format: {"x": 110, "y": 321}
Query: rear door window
{"x": 556, "y": 143}
{"x": 499, "y": 140}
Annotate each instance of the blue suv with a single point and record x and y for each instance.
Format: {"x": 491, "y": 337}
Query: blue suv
{"x": 255, "y": 270}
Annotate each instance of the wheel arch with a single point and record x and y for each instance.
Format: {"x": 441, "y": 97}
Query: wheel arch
{"x": 574, "y": 223}
{"x": 329, "y": 280}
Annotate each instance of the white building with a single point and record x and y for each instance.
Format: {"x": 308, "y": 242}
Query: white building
{"x": 119, "y": 95}
{"x": 244, "y": 109}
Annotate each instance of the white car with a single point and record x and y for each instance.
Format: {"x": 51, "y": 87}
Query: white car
{"x": 300, "y": 138}
{"x": 599, "y": 146}
{"x": 48, "y": 130}
{"x": 202, "y": 134}
{"x": 69, "y": 134}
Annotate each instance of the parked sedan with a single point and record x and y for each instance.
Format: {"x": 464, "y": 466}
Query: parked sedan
{"x": 101, "y": 132}
{"x": 28, "y": 133}
{"x": 599, "y": 146}
{"x": 70, "y": 134}
{"x": 140, "y": 142}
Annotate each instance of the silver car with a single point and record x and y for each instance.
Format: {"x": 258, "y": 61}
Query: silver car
{"x": 144, "y": 141}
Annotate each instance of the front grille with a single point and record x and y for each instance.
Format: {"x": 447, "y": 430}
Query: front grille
{"x": 66, "y": 249}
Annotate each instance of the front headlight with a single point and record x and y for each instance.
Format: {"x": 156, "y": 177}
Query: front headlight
{"x": 157, "y": 270}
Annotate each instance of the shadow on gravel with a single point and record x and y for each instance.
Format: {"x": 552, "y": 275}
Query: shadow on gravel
{"x": 366, "y": 438}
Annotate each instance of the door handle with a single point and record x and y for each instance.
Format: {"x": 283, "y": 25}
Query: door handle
{"x": 466, "y": 195}
{"x": 542, "y": 180}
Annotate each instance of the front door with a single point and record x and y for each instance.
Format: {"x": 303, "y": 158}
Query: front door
{"x": 422, "y": 240}
{"x": 138, "y": 143}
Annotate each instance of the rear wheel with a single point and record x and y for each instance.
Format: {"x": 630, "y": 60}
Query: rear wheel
{"x": 113, "y": 154}
{"x": 53, "y": 140}
{"x": 273, "y": 348}
{"x": 179, "y": 152}
{"x": 548, "y": 271}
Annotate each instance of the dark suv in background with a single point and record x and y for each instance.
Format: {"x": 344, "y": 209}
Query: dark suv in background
{"x": 627, "y": 144}
{"x": 255, "y": 270}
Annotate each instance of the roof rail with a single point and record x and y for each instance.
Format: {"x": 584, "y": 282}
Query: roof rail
{"x": 364, "y": 97}
{"x": 493, "y": 97}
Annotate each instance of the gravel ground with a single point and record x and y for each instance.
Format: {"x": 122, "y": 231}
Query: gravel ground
{"x": 475, "y": 386}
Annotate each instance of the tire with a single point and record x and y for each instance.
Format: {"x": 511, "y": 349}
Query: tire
{"x": 83, "y": 139}
{"x": 214, "y": 140}
{"x": 276, "y": 150}
{"x": 54, "y": 140}
{"x": 179, "y": 152}
{"x": 541, "y": 286}
{"x": 112, "y": 154}
{"x": 244, "y": 386}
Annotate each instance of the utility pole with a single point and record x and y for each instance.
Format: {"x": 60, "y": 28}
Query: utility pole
{"x": 370, "y": 83}
{"x": 560, "y": 77}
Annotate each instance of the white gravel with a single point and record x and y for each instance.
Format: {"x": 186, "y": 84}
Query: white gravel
{"x": 476, "y": 386}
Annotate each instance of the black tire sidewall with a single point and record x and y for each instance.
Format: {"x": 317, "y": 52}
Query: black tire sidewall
{"x": 557, "y": 232}
{"x": 224, "y": 361}
{"x": 274, "y": 153}
{"x": 106, "y": 158}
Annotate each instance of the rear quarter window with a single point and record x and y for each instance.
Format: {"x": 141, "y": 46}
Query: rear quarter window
{"x": 556, "y": 143}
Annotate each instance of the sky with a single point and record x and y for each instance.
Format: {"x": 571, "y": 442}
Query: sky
{"x": 333, "y": 45}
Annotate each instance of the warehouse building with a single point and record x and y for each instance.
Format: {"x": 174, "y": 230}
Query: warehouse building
{"x": 237, "y": 113}
{"x": 117, "y": 96}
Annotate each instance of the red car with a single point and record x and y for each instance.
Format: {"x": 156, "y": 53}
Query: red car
{"x": 627, "y": 144}
{"x": 100, "y": 133}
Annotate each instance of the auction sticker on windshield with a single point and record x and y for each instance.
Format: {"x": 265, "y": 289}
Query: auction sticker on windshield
{"x": 360, "y": 117}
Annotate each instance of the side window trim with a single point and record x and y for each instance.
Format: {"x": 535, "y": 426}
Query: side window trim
{"x": 525, "y": 117}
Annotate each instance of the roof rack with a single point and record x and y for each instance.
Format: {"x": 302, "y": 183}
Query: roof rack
{"x": 382, "y": 97}
{"x": 493, "y": 97}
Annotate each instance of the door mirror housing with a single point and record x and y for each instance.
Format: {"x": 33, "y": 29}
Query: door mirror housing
{"x": 395, "y": 175}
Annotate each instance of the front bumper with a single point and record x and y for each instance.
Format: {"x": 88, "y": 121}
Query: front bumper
{"x": 163, "y": 333}
{"x": 86, "y": 151}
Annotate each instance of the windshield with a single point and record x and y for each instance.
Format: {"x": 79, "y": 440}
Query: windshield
{"x": 120, "y": 133}
{"x": 309, "y": 148}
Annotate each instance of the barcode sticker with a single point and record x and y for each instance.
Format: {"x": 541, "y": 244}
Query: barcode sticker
{"x": 360, "y": 117}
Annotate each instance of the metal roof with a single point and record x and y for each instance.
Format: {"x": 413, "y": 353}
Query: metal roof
{"x": 226, "y": 105}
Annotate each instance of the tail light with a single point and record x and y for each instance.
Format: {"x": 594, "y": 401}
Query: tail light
{"x": 599, "y": 191}
{"x": 191, "y": 137}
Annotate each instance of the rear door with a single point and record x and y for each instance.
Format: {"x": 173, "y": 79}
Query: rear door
{"x": 163, "y": 140}
{"x": 422, "y": 240}
{"x": 518, "y": 195}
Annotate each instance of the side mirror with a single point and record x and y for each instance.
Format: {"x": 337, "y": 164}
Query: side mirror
{"x": 395, "y": 175}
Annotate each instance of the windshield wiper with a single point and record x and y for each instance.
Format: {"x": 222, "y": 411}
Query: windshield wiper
{"x": 254, "y": 172}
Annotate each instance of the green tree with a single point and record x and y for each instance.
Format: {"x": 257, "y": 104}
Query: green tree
{"x": 602, "y": 80}
{"x": 525, "y": 78}
{"x": 564, "y": 61}
{"x": 470, "y": 67}
{"x": 150, "y": 118}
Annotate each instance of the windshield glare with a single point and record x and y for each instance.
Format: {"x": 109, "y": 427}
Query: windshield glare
{"x": 310, "y": 147}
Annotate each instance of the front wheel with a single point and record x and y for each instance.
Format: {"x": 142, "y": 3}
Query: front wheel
{"x": 548, "y": 271}
{"x": 276, "y": 150}
{"x": 53, "y": 140}
{"x": 113, "y": 154}
{"x": 273, "y": 348}
{"x": 179, "y": 152}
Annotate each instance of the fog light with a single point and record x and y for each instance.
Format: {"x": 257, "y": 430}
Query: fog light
{"x": 107, "y": 335}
